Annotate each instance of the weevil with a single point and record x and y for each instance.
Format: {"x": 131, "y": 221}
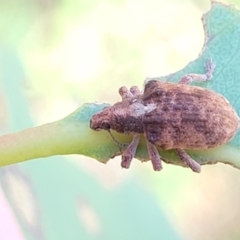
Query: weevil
{"x": 172, "y": 116}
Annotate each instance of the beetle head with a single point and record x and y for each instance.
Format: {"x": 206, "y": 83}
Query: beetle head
{"x": 101, "y": 120}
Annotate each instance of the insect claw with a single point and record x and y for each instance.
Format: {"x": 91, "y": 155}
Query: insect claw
{"x": 209, "y": 67}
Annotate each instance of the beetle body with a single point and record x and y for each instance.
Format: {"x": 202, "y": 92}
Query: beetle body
{"x": 172, "y": 116}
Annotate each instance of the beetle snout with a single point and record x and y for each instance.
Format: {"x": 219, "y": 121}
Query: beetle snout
{"x": 94, "y": 126}
{"x": 101, "y": 120}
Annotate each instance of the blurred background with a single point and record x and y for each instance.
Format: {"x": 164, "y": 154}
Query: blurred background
{"x": 56, "y": 55}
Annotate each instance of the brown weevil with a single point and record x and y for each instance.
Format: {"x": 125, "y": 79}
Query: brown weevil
{"x": 172, "y": 116}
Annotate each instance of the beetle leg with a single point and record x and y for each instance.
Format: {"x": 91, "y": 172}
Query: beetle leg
{"x": 135, "y": 91}
{"x": 209, "y": 68}
{"x": 130, "y": 151}
{"x": 196, "y": 167}
{"x": 125, "y": 93}
{"x": 154, "y": 156}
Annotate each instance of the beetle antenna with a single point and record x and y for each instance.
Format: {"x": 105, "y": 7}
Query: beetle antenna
{"x": 120, "y": 145}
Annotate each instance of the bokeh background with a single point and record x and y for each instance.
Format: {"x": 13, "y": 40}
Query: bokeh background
{"x": 58, "y": 54}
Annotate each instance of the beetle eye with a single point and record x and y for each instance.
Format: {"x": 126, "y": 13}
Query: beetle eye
{"x": 105, "y": 126}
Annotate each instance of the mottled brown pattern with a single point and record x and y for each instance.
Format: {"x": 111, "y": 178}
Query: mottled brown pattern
{"x": 119, "y": 117}
{"x": 187, "y": 117}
